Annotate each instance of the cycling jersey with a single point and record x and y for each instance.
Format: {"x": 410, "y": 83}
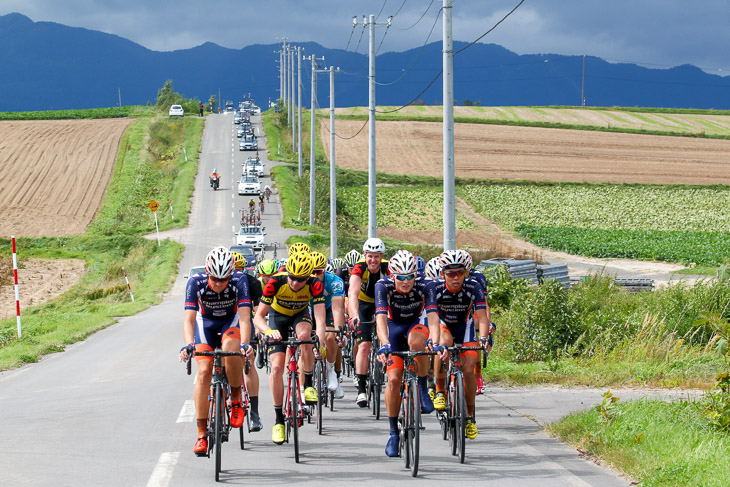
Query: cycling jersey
{"x": 455, "y": 308}
{"x": 332, "y": 286}
{"x": 343, "y": 272}
{"x": 368, "y": 280}
{"x": 217, "y": 313}
{"x": 479, "y": 277}
{"x": 404, "y": 308}
{"x": 284, "y": 300}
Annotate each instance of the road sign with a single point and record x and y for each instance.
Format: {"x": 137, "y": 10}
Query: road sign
{"x": 153, "y": 205}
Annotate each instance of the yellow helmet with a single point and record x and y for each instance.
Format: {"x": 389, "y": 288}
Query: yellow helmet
{"x": 299, "y": 265}
{"x": 298, "y": 247}
{"x": 319, "y": 261}
{"x": 239, "y": 260}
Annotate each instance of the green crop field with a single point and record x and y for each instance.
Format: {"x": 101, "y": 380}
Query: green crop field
{"x": 675, "y": 224}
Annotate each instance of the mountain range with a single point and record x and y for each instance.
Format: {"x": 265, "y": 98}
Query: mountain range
{"x": 53, "y": 66}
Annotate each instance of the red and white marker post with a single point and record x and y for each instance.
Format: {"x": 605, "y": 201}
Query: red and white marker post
{"x": 128, "y": 286}
{"x": 171, "y": 213}
{"x": 17, "y": 294}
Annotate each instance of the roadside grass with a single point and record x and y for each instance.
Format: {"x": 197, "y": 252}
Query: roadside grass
{"x": 654, "y": 442}
{"x": 114, "y": 240}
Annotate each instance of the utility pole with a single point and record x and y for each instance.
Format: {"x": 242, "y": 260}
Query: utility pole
{"x": 299, "y": 112}
{"x": 449, "y": 172}
{"x": 333, "y": 172}
{"x": 291, "y": 89}
{"x": 295, "y": 50}
{"x": 583, "y": 84}
{"x": 281, "y": 77}
{"x": 372, "y": 218}
{"x": 120, "y": 97}
{"x": 313, "y": 132}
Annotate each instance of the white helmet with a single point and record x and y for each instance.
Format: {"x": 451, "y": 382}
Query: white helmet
{"x": 402, "y": 262}
{"x": 373, "y": 244}
{"x": 352, "y": 258}
{"x": 433, "y": 268}
{"x": 453, "y": 259}
{"x": 219, "y": 263}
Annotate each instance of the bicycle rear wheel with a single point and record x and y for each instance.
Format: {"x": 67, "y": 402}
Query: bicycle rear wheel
{"x": 218, "y": 428}
{"x": 294, "y": 409}
{"x": 414, "y": 425}
{"x": 460, "y": 418}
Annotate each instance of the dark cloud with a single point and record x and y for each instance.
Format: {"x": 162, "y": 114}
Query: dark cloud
{"x": 661, "y": 33}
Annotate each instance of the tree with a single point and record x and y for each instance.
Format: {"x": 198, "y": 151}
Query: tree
{"x": 468, "y": 103}
{"x": 166, "y": 96}
{"x": 212, "y": 102}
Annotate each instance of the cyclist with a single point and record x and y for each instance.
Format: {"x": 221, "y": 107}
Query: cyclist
{"x": 261, "y": 202}
{"x": 265, "y": 269}
{"x": 252, "y": 376}
{"x": 400, "y": 299}
{"x": 352, "y": 258}
{"x": 479, "y": 277}
{"x": 456, "y": 296}
{"x": 267, "y": 192}
{"x": 361, "y": 304}
{"x": 251, "y": 207}
{"x": 334, "y": 303}
{"x": 286, "y": 299}
{"x": 217, "y": 314}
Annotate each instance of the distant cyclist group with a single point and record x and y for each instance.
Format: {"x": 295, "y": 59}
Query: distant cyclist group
{"x": 362, "y": 311}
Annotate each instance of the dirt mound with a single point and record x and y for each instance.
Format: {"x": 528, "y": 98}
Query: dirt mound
{"x": 55, "y": 174}
{"x": 39, "y": 281}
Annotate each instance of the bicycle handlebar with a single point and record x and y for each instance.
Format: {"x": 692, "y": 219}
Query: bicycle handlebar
{"x": 413, "y": 353}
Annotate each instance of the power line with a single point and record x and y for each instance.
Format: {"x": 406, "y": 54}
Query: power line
{"x": 420, "y": 18}
{"x": 490, "y": 30}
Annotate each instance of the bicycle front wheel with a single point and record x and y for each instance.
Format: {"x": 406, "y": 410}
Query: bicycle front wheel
{"x": 321, "y": 391}
{"x": 219, "y": 410}
{"x": 378, "y": 388}
{"x": 459, "y": 417}
{"x": 414, "y": 425}
{"x": 294, "y": 409}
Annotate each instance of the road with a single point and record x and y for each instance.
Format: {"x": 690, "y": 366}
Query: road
{"x": 116, "y": 409}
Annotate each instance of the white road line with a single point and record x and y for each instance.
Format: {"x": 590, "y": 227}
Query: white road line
{"x": 187, "y": 413}
{"x": 162, "y": 474}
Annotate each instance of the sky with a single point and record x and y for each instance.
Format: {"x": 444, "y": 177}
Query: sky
{"x": 652, "y": 33}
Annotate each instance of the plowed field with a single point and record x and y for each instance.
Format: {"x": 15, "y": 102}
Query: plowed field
{"x": 540, "y": 154}
{"x": 54, "y": 174}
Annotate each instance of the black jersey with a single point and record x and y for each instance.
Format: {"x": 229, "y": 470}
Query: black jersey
{"x": 404, "y": 308}
{"x": 455, "y": 308}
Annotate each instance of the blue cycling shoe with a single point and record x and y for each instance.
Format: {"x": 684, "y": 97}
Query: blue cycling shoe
{"x": 426, "y": 402}
{"x": 391, "y": 449}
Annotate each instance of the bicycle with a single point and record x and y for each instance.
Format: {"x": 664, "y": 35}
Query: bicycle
{"x": 219, "y": 412}
{"x": 268, "y": 194}
{"x": 409, "y": 418}
{"x": 261, "y": 206}
{"x": 376, "y": 374}
{"x": 330, "y": 395}
{"x": 293, "y": 412}
{"x": 453, "y": 418}
{"x": 262, "y": 355}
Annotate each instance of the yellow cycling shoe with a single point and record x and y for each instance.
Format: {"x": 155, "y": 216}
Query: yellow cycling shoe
{"x": 439, "y": 401}
{"x": 310, "y": 395}
{"x": 431, "y": 392}
{"x": 471, "y": 428}
{"x": 279, "y": 434}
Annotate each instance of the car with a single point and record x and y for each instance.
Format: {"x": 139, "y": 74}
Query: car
{"x": 256, "y": 110}
{"x": 229, "y": 106}
{"x": 253, "y": 235}
{"x": 248, "y": 252}
{"x": 177, "y": 111}
{"x": 254, "y": 165}
{"x": 240, "y": 132}
{"x": 195, "y": 270}
{"x": 249, "y": 184}
{"x": 248, "y": 142}
{"x": 237, "y": 119}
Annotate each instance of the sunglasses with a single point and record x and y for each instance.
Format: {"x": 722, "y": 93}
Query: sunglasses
{"x": 215, "y": 279}
{"x": 453, "y": 274}
{"x": 405, "y": 277}
{"x": 297, "y": 278}
{"x": 318, "y": 272}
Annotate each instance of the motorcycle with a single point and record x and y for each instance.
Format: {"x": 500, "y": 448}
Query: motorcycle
{"x": 214, "y": 182}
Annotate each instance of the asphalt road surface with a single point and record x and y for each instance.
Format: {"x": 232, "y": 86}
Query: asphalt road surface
{"x": 116, "y": 409}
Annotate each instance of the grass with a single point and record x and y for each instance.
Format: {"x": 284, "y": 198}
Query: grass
{"x": 655, "y": 442}
{"x": 114, "y": 240}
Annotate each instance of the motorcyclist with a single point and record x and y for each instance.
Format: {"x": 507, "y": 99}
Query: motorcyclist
{"x": 215, "y": 177}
